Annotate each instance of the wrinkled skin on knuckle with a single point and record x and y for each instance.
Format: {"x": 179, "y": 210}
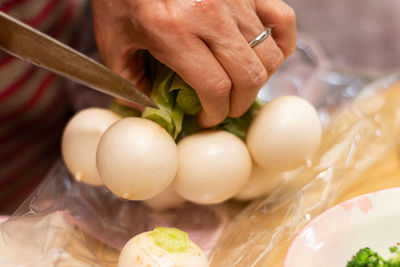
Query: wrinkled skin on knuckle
{"x": 218, "y": 87}
{"x": 257, "y": 78}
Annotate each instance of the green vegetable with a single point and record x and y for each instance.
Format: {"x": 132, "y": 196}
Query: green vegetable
{"x": 171, "y": 239}
{"x": 394, "y": 261}
{"x": 123, "y": 111}
{"x": 187, "y": 98}
{"x": 178, "y": 104}
{"x": 239, "y": 126}
{"x": 168, "y": 114}
{"x": 190, "y": 126}
{"x": 366, "y": 257}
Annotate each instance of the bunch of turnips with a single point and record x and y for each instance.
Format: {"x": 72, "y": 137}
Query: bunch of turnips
{"x": 163, "y": 157}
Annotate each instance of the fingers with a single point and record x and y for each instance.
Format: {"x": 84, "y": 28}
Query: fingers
{"x": 241, "y": 64}
{"x": 267, "y": 51}
{"x": 206, "y": 43}
{"x": 200, "y": 69}
{"x": 277, "y": 15}
{"x": 131, "y": 68}
{"x": 118, "y": 53}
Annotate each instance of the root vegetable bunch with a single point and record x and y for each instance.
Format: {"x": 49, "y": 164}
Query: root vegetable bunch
{"x": 163, "y": 157}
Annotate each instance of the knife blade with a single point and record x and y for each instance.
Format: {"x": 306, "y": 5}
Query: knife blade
{"x": 35, "y": 47}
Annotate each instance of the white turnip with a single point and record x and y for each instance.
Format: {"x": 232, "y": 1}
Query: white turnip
{"x": 163, "y": 247}
{"x": 284, "y": 134}
{"x": 213, "y": 166}
{"x": 137, "y": 158}
{"x": 80, "y": 139}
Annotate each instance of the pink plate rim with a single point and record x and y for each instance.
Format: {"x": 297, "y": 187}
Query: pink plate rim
{"x": 316, "y": 218}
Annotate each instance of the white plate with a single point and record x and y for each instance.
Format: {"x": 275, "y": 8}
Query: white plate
{"x": 332, "y": 238}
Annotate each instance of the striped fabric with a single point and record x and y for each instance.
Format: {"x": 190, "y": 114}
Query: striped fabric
{"x": 33, "y": 103}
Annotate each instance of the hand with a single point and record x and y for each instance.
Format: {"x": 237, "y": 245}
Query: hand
{"x": 204, "y": 41}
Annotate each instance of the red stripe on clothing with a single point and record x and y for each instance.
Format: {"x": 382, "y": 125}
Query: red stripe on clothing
{"x": 44, "y": 13}
{"x": 33, "y": 140}
{"x": 28, "y": 163}
{"x": 44, "y": 115}
{"x": 62, "y": 22}
{"x": 12, "y": 200}
{"x": 43, "y": 87}
{"x": 30, "y": 184}
{"x": 55, "y": 31}
{"x": 13, "y": 88}
{"x": 38, "y": 141}
{"x": 27, "y": 188}
{"x": 5, "y": 60}
{"x": 11, "y": 4}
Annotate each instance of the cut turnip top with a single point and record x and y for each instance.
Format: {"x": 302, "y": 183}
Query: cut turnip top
{"x": 163, "y": 247}
{"x": 80, "y": 139}
{"x": 137, "y": 158}
{"x": 213, "y": 166}
{"x": 284, "y": 134}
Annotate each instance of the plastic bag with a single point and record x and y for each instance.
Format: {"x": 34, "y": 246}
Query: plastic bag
{"x": 74, "y": 221}
{"x": 66, "y": 223}
{"x": 355, "y": 138}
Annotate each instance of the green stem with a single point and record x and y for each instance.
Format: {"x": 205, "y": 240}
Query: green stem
{"x": 168, "y": 114}
{"x": 123, "y": 111}
{"x": 239, "y": 126}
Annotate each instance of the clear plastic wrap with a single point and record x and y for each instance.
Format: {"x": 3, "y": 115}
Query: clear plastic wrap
{"x": 66, "y": 223}
{"x": 356, "y": 137}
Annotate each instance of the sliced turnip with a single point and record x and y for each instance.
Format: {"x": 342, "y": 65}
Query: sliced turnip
{"x": 163, "y": 247}
{"x": 213, "y": 166}
{"x": 284, "y": 134}
{"x": 167, "y": 199}
{"x": 261, "y": 183}
{"x": 137, "y": 158}
{"x": 80, "y": 139}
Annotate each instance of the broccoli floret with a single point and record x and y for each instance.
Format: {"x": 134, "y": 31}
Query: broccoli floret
{"x": 366, "y": 257}
{"x": 394, "y": 261}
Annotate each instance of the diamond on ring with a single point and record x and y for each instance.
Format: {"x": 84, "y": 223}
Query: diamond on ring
{"x": 261, "y": 37}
